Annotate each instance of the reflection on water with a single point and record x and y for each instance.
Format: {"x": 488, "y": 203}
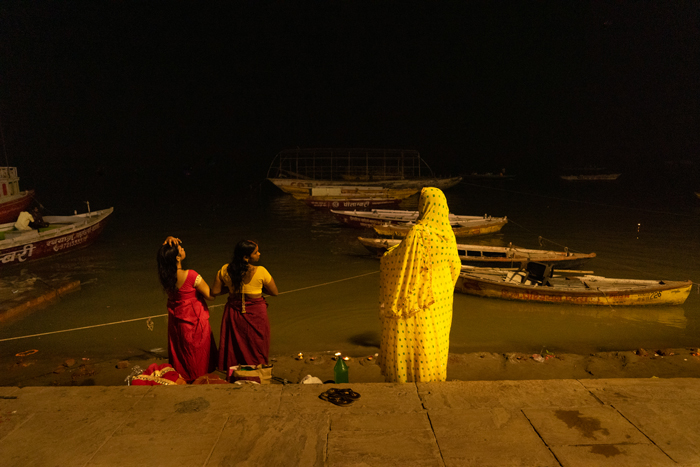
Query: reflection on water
{"x": 330, "y": 282}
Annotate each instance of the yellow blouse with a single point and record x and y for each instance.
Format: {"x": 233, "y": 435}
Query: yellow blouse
{"x": 255, "y": 286}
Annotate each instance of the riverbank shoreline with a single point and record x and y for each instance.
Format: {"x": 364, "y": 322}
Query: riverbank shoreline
{"x": 34, "y": 369}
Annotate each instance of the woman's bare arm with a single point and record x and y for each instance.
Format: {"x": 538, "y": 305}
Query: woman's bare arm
{"x": 218, "y": 286}
{"x": 203, "y": 288}
{"x": 271, "y": 287}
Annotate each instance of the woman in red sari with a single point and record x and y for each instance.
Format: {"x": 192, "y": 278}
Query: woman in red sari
{"x": 191, "y": 346}
{"x": 245, "y": 328}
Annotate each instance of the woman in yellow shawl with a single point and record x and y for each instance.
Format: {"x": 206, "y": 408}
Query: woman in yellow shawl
{"x": 416, "y": 287}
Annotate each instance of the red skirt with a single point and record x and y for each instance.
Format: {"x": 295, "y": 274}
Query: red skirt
{"x": 245, "y": 337}
{"x": 191, "y": 346}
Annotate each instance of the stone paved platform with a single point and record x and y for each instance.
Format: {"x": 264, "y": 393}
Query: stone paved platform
{"x": 605, "y": 422}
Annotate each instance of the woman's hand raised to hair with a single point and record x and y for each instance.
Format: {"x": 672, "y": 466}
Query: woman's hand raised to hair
{"x": 172, "y": 241}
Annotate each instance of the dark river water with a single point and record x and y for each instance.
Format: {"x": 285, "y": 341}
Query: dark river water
{"x": 643, "y": 227}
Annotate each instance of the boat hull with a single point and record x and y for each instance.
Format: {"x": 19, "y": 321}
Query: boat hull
{"x": 482, "y": 227}
{"x": 9, "y": 210}
{"x": 292, "y": 185}
{"x": 671, "y": 293}
{"x": 37, "y": 245}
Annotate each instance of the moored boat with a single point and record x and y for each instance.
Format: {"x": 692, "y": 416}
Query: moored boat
{"x": 389, "y": 168}
{"x": 495, "y": 256}
{"x": 462, "y": 228}
{"x": 363, "y": 219}
{"x": 536, "y": 283}
{"x": 12, "y": 200}
{"x": 350, "y": 192}
{"x": 64, "y": 233}
{"x": 351, "y": 203}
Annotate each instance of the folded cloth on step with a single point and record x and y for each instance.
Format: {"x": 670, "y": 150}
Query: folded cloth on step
{"x": 158, "y": 375}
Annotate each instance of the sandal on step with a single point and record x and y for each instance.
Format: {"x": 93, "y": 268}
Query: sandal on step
{"x": 347, "y": 393}
{"x": 335, "y": 399}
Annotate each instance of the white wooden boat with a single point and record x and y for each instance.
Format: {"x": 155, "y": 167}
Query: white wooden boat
{"x": 494, "y": 256}
{"x": 64, "y": 233}
{"x": 12, "y": 200}
{"x": 537, "y": 283}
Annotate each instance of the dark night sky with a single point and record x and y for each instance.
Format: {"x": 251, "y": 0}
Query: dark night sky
{"x": 469, "y": 84}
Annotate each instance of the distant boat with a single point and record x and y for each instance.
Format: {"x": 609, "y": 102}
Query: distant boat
{"x": 64, "y": 233}
{"x": 389, "y": 168}
{"x": 494, "y": 256}
{"x": 12, "y": 200}
{"x": 589, "y": 174}
{"x": 488, "y": 176}
{"x": 536, "y": 283}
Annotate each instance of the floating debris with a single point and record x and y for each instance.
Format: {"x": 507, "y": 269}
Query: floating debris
{"x": 26, "y": 353}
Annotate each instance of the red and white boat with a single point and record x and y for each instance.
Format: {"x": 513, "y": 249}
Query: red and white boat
{"x": 64, "y": 234}
{"x": 12, "y": 201}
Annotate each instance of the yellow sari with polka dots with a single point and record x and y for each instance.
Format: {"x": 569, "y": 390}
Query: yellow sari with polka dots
{"x": 416, "y": 288}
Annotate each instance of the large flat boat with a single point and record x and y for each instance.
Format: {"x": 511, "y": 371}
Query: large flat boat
{"x": 389, "y": 168}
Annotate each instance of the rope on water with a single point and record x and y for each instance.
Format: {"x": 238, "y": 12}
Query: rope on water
{"x": 165, "y": 314}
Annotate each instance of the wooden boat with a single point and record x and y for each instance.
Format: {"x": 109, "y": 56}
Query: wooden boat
{"x": 12, "y": 201}
{"x": 351, "y": 203}
{"x": 537, "y": 283}
{"x": 389, "y": 168}
{"x": 349, "y": 197}
{"x": 64, "y": 233}
{"x": 351, "y": 192}
{"x": 364, "y": 219}
{"x": 461, "y": 228}
{"x": 494, "y": 256}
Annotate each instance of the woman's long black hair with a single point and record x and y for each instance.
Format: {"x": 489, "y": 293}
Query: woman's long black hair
{"x": 167, "y": 266}
{"x": 238, "y": 266}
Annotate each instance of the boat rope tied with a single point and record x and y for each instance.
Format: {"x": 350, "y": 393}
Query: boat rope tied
{"x": 149, "y": 321}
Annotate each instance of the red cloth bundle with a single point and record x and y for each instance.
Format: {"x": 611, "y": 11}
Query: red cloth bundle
{"x": 158, "y": 375}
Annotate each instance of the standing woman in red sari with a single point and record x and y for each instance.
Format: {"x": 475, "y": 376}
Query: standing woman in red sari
{"x": 191, "y": 345}
{"x": 245, "y": 328}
